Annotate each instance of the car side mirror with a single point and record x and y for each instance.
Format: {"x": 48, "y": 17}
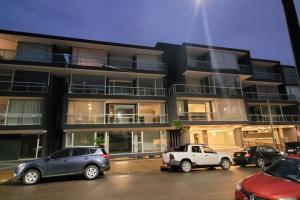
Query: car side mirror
{"x": 48, "y": 158}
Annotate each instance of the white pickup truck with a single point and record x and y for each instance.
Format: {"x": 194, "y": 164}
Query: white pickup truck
{"x": 193, "y": 156}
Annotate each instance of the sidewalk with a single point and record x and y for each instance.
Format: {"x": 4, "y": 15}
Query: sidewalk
{"x": 118, "y": 166}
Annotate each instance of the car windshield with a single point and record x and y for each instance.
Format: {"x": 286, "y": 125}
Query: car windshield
{"x": 286, "y": 168}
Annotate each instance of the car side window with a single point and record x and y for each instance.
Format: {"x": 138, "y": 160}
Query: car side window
{"x": 79, "y": 151}
{"x": 61, "y": 154}
{"x": 196, "y": 149}
{"x": 208, "y": 150}
{"x": 269, "y": 150}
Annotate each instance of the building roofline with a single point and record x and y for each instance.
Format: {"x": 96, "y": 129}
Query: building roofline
{"x": 215, "y": 47}
{"x": 29, "y": 34}
{"x": 265, "y": 60}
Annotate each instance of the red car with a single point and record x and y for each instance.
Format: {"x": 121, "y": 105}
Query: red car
{"x": 281, "y": 181}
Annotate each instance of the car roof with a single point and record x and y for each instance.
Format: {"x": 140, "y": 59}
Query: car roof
{"x": 294, "y": 156}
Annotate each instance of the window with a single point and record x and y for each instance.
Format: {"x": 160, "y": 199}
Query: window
{"x": 120, "y": 142}
{"x": 92, "y": 151}
{"x": 61, "y": 154}
{"x": 224, "y": 60}
{"x": 196, "y": 149}
{"x": 87, "y": 84}
{"x": 180, "y": 108}
{"x": 79, "y": 151}
{"x": 208, "y": 150}
{"x": 151, "y": 141}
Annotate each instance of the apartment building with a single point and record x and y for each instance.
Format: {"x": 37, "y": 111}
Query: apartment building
{"x": 60, "y": 92}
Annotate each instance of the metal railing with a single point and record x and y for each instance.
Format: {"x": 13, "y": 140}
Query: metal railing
{"x": 116, "y": 90}
{"x": 274, "y": 117}
{"x": 270, "y": 96}
{"x": 9, "y": 119}
{"x": 211, "y": 116}
{"x": 204, "y": 89}
{"x": 86, "y": 118}
{"x": 267, "y": 76}
{"x": 83, "y": 60}
{"x": 18, "y": 86}
{"x": 208, "y": 65}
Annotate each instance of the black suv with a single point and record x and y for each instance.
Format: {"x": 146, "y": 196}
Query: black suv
{"x": 292, "y": 147}
{"x": 259, "y": 155}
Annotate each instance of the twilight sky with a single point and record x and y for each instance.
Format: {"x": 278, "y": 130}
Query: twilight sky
{"x": 256, "y": 25}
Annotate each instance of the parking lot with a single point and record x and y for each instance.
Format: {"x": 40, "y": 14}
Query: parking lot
{"x": 199, "y": 184}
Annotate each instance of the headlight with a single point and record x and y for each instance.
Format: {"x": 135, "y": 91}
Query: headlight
{"x": 287, "y": 198}
{"x": 239, "y": 184}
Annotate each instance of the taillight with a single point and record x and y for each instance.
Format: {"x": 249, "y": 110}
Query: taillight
{"x": 106, "y": 156}
{"x": 248, "y": 155}
{"x": 171, "y": 156}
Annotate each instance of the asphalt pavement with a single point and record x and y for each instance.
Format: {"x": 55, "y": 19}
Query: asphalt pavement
{"x": 203, "y": 184}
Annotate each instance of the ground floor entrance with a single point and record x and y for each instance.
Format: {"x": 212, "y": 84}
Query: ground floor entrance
{"x": 20, "y": 146}
{"x": 120, "y": 142}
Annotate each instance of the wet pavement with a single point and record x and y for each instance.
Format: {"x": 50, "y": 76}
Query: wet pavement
{"x": 199, "y": 184}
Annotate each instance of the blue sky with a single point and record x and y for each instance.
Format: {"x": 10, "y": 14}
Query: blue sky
{"x": 257, "y": 25}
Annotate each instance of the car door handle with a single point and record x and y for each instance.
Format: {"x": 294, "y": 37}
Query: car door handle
{"x": 193, "y": 154}
{"x": 64, "y": 160}
{"x": 206, "y": 155}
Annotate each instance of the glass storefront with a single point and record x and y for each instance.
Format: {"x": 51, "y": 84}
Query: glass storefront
{"x": 31, "y": 146}
{"x": 121, "y": 142}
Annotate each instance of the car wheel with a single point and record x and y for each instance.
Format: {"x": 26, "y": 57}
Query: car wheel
{"x": 260, "y": 162}
{"x": 225, "y": 163}
{"x": 91, "y": 172}
{"x": 186, "y": 166}
{"x": 31, "y": 177}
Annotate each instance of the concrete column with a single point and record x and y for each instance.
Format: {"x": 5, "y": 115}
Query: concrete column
{"x": 205, "y": 137}
{"x": 238, "y": 137}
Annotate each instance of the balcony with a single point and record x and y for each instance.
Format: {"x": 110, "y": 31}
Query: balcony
{"x": 269, "y": 96}
{"x": 267, "y": 76}
{"x": 204, "y": 90}
{"x": 263, "y": 118}
{"x": 7, "y": 119}
{"x": 66, "y": 59}
{"x": 292, "y": 81}
{"x": 116, "y": 90}
{"x": 211, "y": 116}
{"x": 17, "y": 86}
{"x": 207, "y": 65}
{"x": 86, "y": 118}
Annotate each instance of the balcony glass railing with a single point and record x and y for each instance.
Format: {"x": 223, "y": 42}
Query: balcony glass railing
{"x": 86, "y": 118}
{"x": 267, "y": 76}
{"x": 207, "y": 65}
{"x": 83, "y": 60}
{"x": 116, "y": 90}
{"x": 8, "y": 119}
{"x": 204, "y": 89}
{"x": 275, "y": 118}
{"x": 211, "y": 116}
{"x": 269, "y": 96}
{"x": 17, "y": 86}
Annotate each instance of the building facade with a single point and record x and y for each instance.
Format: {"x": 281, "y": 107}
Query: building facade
{"x": 60, "y": 92}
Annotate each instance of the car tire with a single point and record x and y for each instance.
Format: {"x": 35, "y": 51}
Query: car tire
{"x": 31, "y": 177}
{"x": 91, "y": 172}
{"x": 186, "y": 166}
{"x": 260, "y": 162}
{"x": 225, "y": 163}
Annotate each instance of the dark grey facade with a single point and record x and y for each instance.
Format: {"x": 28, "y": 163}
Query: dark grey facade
{"x": 57, "y": 92}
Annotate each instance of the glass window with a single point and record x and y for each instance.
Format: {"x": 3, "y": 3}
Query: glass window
{"x": 24, "y": 112}
{"x": 151, "y": 141}
{"x": 61, "y": 154}
{"x": 196, "y": 149}
{"x": 88, "y": 84}
{"x": 28, "y": 146}
{"x": 84, "y": 139}
{"x": 120, "y": 142}
{"x": 208, "y": 150}
{"x": 78, "y": 151}
{"x": 86, "y": 112}
{"x": 180, "y": 107}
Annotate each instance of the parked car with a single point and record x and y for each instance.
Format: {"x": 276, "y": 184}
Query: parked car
{"x": 292, "y": 147}
{"x": 87, "y": 161}
{"x": 259, "y": 155}
{"x": 193, "y": 156}
{"x": 281, "y": 181}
